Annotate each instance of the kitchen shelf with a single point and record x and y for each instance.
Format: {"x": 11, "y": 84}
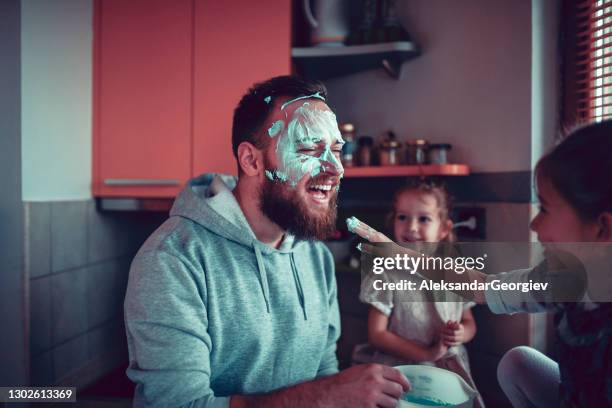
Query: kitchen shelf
{"x": 412, "y": 170}
{"x": 164, "y": 204}
{"x": 324, "y": 62}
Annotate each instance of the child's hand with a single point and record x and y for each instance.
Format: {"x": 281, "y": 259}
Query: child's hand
{"x": 453, "y": 334}
{"x": 438, "y": 350}
{"x": 365, "y": 231}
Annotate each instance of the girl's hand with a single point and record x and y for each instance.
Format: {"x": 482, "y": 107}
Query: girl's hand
{"x": 453, "y": 334}
{"x": 365, "y": 231}
{"x": 438, "y": 350}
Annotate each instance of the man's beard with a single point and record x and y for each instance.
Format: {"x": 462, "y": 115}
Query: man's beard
{"x": 292, "y": 214}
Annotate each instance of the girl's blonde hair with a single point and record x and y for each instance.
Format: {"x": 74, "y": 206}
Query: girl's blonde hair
{"x": 438, "y": 191}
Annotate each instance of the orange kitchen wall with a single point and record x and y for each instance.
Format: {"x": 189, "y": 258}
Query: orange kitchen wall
{"x": 167, "y": 76}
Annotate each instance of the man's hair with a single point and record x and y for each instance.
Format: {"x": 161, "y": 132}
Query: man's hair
{"x": 256, "y": 105}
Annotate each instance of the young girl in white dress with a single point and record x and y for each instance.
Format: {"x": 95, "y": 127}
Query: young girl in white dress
{"x": 575, "y": 193}
{"x": 407, "y": 327}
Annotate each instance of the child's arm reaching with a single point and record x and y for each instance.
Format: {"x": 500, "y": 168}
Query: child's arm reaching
{"x": 456, "y": 333}
{"x": 366, "y": 232}
{"x": 381, "y": 338}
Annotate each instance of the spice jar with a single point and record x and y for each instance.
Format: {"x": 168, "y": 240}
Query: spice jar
{"x": 364, "y": 152}
{"x": 416, "y": 151}
{"x": 389, "y": 152}
{"x": 348, "y": 149}
{"x": 438, "y": 153}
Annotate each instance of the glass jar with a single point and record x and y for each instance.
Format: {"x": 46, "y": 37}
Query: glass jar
{"x": 348, "y": 149}
{"x": 416, "y": 151}
{"x": 438, "y": 153}
{"x": 389, "y": 152}
{"x": 364, "y": 152}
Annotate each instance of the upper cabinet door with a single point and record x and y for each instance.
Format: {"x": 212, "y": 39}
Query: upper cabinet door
{"x": 143, "y": 81}
{"x": 237, "y": 43}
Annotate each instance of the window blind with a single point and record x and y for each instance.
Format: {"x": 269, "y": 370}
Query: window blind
{"x": 594, "y": 60}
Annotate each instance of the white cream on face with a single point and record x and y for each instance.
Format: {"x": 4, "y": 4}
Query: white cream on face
{"x": 310, "y": 126}
{"x": 316, "y": 95}
{"x": 276, "y": 128}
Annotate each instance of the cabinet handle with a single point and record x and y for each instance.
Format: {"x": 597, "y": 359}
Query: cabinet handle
{"x": 141, "y": 182}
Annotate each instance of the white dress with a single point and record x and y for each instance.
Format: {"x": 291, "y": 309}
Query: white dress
{"x": 414, "y": 316}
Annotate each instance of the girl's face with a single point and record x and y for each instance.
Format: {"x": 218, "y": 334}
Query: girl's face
{"x": 417, "y": 219}
{"x": 557, "y": 221}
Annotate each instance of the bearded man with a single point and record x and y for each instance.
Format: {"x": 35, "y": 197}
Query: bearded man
{"x": 232, "y": 301}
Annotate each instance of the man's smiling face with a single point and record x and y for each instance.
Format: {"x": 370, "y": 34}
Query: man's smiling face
{"x": 303, "y": 168}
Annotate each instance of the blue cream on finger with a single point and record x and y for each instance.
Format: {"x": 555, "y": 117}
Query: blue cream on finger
{"x": 352, "y": 223}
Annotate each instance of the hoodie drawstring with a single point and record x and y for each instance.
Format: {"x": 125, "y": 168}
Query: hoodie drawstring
{"x": 298, "y": 284}
{"x": 263, "y": 278}
{"x": 263, "y": 281}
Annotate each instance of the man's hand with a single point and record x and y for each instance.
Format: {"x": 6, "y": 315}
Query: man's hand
{"x": 361, "y": 386}
{"x": 365, "y": 385}
{"x": 453, "y": 334}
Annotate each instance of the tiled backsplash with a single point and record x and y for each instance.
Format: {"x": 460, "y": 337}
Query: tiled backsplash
{"x": 77, "y": 259}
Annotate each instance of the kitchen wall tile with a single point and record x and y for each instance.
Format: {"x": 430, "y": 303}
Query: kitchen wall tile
{"x": 106, "y": 338}
{"x": 38, "y": 238}
{"x": 42, "y": 371}
{"x": 110, "y": 234}
{"x": 510, "y": 187}
{"x": 68, "y": 234}
{"x": 69, "y": 356}
{"x": 113, "y": 233}
{"x": 69, "y": 297}
{"x": 13, "y": 321}
{"x": 103, "y": 235}
{"x": 40, "y": 314}
{"x": 103, "y": 293}
{"x": 135, "y": 236}
{"x": 139, "y": 227}
{"x": 135, "y": 230}
{"x": 508, "y": 222}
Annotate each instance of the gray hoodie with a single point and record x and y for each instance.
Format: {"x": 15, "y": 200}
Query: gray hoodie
{"x": 211, "y": 312}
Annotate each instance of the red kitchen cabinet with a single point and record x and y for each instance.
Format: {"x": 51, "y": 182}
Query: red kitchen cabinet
{"x": 167, "y": 76}
{"x": 237, "y": 43}
{"x": 142, "y": 97}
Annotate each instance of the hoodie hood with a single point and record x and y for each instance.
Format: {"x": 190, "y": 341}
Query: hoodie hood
{"x": 208, "y": 200}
